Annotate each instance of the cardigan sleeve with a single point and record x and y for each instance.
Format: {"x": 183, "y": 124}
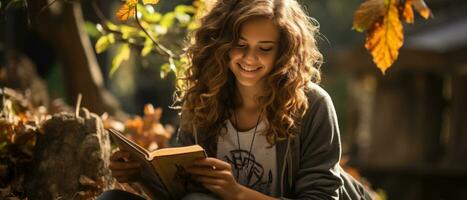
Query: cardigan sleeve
{"x": 318, "y": 176}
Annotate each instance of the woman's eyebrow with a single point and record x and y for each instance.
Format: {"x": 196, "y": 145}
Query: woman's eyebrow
{"x": 263, "y": 41}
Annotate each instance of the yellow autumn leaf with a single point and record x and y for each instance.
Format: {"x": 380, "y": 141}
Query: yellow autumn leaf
{"x": 407, "y": 13}
{"x": 123, "y": 54}
{"x": 385, "y": 38}
{"x": 422, "y": 8}
{"x": 145, "y": 2}
{"x": 127, "y": 10}
{"x": 103, "y": 42}
{"x": 367, "y": 14}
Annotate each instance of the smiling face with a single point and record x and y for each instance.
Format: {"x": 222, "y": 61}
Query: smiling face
{"x": 253, "y": 57}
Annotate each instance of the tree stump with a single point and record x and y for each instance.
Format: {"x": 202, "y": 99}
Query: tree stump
{"x": 70, "y": 150}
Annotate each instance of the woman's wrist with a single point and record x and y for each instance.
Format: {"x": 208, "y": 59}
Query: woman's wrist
{"x": 244, "y": 193}
{"x": 237, "y": 193}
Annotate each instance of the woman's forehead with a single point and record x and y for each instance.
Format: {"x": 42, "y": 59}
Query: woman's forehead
{"x": 259, "y": 29}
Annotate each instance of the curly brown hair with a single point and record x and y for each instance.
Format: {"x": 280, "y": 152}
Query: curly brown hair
{"x": 207, "y": 89}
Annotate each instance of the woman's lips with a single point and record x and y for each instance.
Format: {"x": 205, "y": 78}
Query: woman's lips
{"x": 248, "y": 69}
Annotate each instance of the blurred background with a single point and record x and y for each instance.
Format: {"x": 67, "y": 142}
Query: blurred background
{"x": 404, "y": 132}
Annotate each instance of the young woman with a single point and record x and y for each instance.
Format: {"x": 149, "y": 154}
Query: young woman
{"x": 250, "y": 97}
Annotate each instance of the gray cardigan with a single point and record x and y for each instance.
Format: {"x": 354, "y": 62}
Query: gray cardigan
{"x": 308, "y": 163}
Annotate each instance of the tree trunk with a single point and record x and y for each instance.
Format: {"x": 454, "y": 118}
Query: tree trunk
{"x": 457, "y": 141}
{"x": 63, "y": 26}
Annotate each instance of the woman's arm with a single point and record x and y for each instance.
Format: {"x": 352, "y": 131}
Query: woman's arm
{"x": 320, "y": 150}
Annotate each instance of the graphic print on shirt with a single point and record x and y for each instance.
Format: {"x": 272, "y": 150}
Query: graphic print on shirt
{"x": 249, "y": 172}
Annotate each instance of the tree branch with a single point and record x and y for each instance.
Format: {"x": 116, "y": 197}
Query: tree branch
{"x": 158, "y": 45}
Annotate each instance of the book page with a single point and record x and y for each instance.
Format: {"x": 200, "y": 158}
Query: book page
{"x": 176, "y": 150}
{"x": 136, "y": 152}
{"x": 125, "y": 143}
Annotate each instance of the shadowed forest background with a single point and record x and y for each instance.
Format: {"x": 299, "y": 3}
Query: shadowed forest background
{"x": 403, "y": 133}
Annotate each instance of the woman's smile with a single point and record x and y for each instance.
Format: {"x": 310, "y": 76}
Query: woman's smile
{"x": 247, "y": 68}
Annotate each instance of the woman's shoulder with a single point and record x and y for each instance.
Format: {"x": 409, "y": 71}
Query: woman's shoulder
{"x": 315, "y": 93}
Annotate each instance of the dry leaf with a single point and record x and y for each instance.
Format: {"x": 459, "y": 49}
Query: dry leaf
{"x": 367, "y": 14}
{"x": 385, "y": 39}
{"x": 407, "y": 13}
{"x": 127, "y": 10}
{"x": 145, "y": 2}
{"x": 86, "y": 181}
{"x": 422, "y": 8}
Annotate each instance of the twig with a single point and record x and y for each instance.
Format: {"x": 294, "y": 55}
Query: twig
{"x": 47, "y": 6}
{"x": 104, "y": 20}
{"x": 158, "y": 45}
{"x": 78, "y": 105}
{"x": 98, "y": 11}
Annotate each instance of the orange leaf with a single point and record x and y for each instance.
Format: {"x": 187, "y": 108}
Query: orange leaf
{"x": 422, "y": 8}
{"x": 408, "y": 12}
{"x": 385, "y": 38}
{"x": 367, "y": 14}
{"x": 127, "y": 10}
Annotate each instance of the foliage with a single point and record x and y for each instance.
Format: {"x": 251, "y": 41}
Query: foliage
{"x": 20, "y": 123}
{"x": 6, "y": 4}
{"x": 382, "y": 21}
{"x": 142, "y": 29}
{"x": 147, "y": 131}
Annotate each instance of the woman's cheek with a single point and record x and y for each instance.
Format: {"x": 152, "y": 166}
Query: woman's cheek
{"x": 235, "y": 53}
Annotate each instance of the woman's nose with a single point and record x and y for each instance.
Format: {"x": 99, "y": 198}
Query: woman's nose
{"x": 250, "y": 57}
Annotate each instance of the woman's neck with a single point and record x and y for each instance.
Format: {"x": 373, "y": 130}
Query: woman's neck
{"x": 247, "y": 112}
{"x": 248, "y": 97}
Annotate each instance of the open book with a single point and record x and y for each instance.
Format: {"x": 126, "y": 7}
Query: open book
{"x": 168, "y": 163}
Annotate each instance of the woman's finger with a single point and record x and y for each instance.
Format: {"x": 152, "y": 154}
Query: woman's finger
{"x": 213, "y": 188}
{"x": 209, "y": 180}
{"x": 125, "y": 179}
{"x": 118, "y": 173}
{"x": 119, "y": 155}
{"x": 204, "y": 171}
{"x": 124, "y": 165}
{"x": 213, "y": 163}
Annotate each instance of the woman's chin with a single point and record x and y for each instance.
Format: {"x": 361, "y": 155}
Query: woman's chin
{"x": 247, "y": 83}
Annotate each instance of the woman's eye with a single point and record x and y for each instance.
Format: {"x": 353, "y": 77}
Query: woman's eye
{"x": 266, "y": 49}
{"x": 240, "y": 45}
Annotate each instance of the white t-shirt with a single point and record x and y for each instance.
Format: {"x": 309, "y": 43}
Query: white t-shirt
{"x": 257, "y": 170}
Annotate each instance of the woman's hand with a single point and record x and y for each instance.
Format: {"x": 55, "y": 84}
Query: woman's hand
{"x": 216, "y": 175}
{"x": 123, "y": 168}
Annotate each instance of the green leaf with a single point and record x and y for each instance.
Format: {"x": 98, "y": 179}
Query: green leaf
{"x": 165, "y": 69}
{"x": 185, "y": 9}
{"x": 152, "y": 17}
{"x": 160, "y": 30}
{"x": 183, "y": 18}
{"x": 91, "y": 29}
{"x": 14, "y": 3}
{"x": 172, "y": 65}
{"x": 149, "y": 9}
{"x": 122, "y": 55}
{"x": 193, "y": 25}
{"x": 145, "y": 2}
{"x": 148, "y": 45}
{"x": 112, "y": 26}
{"x": 103, "y": 42}
{"x": 181, "y": 64}
{"x": 3, "y": 145}
{"x": 167, "y": 20}
{"x": 128, "y": 31}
